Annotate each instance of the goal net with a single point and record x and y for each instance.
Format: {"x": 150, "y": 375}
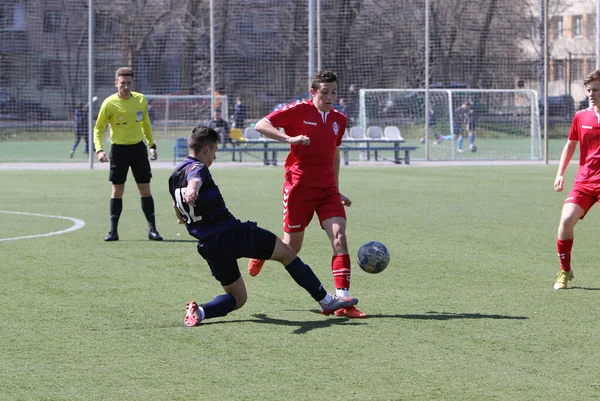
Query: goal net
{"x": 173, "y": 116}
{"x": 463, "y": 123}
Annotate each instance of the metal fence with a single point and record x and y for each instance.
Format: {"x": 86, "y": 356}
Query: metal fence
{"x": 261, "y": 51}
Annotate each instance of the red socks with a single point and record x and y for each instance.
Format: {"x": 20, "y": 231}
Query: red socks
{"x": 340, "y": 267}
{"x": 564, "y": 253}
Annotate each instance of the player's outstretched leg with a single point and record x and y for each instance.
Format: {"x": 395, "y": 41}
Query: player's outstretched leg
{"x": 220, "y": 305}
{"x": 306, "y": 278}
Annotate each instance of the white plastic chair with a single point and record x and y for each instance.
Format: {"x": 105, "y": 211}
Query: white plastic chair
{"x": 357, "y": 133}
{"x": 250, "y": 134}
{"x": 374, "y": 132}
{"x": 393, "y": 133}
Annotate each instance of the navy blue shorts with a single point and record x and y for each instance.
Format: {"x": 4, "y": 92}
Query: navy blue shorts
{"x": 124, "y": 156}
{"x": 245, "y": 240}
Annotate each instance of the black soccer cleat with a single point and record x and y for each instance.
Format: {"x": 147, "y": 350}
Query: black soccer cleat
{"x": 112, "y": 236}
{"x": 153, "y": 235}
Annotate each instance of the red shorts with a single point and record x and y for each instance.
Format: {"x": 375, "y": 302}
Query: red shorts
{"x": 300, "y": 202}
{"x": 583, "y": 196}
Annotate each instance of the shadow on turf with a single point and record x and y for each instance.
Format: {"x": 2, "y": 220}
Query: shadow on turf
{"x": 582, "y": 288}
{"x": 302, "y": 326}
{"x": 450, "y": 316}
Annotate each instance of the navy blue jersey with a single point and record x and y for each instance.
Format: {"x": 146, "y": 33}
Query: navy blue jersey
{"x": 210, "y": 216}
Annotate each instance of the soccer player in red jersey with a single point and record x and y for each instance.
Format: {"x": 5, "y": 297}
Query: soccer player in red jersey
{"x": 314, "y": 130}
{"x": 585, "y": 130}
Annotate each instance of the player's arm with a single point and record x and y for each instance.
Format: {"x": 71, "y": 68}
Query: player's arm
{"x": 265, "y": 127}
{"x": 147, "y": 130}
{"x": 565, "y": 159}
{"x": 191, "y": 192}
{"x": 99, "y": 128}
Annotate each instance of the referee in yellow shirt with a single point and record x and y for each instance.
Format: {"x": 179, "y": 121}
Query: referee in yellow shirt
{"x": 127, "y": 114}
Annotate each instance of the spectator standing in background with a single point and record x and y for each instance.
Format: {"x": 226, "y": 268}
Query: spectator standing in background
{"x": 465, "y": 125}
{"x": 352, "y": 105}
{"x": 80, "y": 120}
{"x": 239, "y": 114}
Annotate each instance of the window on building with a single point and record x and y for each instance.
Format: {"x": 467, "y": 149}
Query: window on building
{"x": 6, "y": 16}
{"x": 577, "y": 26}
{"x": 12, "y": 17}
{"x": 558, "y": 70}
{"x": 103, "y": 24}
{"x": 6, "y": 71}
{"x": 590, "y": 26}
{"x": 52, "y": 21}
{"x": 576, "y": 70}
{"x": 530, "y": 29}
{"x": 557, "y": 27}
{"x": 52, "y": 73}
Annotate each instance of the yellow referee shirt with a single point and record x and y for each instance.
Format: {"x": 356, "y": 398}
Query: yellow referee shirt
{"x": 128, "y": 119}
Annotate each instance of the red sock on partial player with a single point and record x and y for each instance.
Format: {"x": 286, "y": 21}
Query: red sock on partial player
{"x": 564, "y": 253}
{"x": 340, "y": 267}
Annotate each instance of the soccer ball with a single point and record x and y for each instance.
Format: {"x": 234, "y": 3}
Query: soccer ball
{"x": 373, "y": 257}
{"x": 473, "y": 148}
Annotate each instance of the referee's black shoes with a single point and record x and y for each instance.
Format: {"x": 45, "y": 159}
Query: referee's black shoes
{"x": 112, "y": 236}
{"x": 154, "y": 235}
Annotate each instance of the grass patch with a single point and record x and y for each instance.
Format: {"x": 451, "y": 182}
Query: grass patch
{"x": 465, "y": 310}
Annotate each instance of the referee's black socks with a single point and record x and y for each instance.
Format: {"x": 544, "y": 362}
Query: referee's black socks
{"x": 148, "y": 209}
{"x": 116, "y": 207}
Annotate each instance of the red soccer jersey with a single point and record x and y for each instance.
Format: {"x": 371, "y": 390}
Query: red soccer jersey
{"x": 313, "y": 164}
{"x": 586, "y": 130}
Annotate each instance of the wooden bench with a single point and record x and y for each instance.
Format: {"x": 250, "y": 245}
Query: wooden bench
{"x": 269, "y": 149}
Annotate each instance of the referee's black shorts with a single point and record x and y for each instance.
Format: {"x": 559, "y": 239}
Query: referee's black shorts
{"x": 124, "y": 156}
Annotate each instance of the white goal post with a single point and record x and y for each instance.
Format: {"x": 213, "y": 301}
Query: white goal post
{"x": 175, "y": 115}
{"x": 505, "y": 125}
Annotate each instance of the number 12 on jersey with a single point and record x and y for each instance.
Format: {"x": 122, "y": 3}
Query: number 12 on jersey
{"x": 185, "y": 210}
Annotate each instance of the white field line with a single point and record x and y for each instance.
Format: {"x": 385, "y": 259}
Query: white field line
{"x": 76, "y": 226}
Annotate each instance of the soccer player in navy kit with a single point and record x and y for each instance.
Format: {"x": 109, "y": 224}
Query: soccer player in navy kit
{"x": 314, "y": 130}
{"x": 223, "y": 239}
{"x": 127, "y": 113}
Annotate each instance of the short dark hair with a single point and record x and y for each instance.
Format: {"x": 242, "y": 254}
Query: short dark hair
{"x": 322, "y": 77}
{"x": 124, "y": 72}
{"x": 592, "y": 76}
{"x": 201, "y": 136}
